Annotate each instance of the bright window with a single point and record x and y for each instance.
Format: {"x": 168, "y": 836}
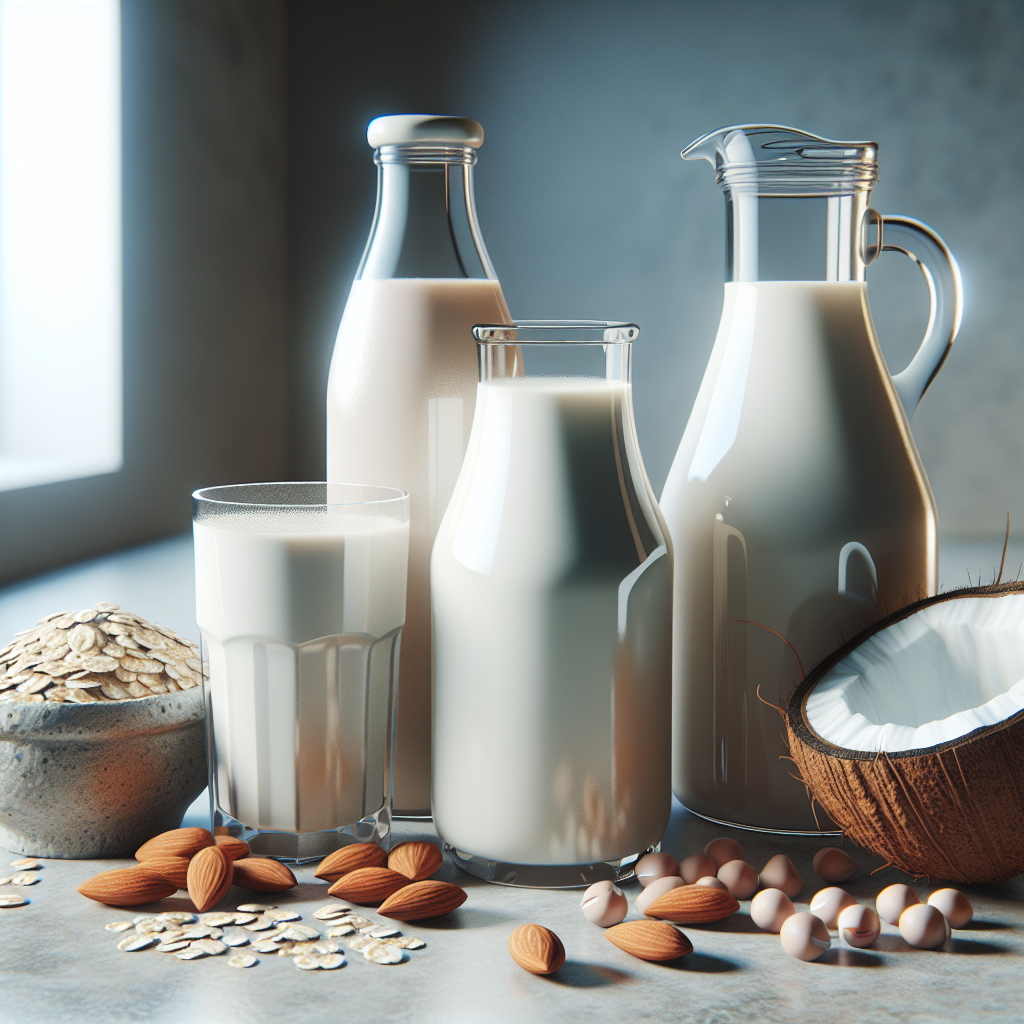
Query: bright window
{"x": 60, "y": 240}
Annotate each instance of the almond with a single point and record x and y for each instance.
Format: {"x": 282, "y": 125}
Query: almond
{"x": 127, "y": 887}
{"x": 174, "y": 869}
{"x": 368, "y": 885}
{"x": 261, "y": 874}
{"x": 650, "y": 940}
{"x": 209, "y": 877}
{"x": 536, "y": 949}
{"x": 233, "y": 847}
{"x": 348, "y": 858}
{"x": 693, "y": 904}
{"x": 419, "y": 900}
{"x": 179, "y": 842}
{"x": 415, "y": 860}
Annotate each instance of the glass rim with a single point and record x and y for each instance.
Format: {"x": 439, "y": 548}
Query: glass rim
{"x": 384, "y": 495}
{"x": 558, "y": 332}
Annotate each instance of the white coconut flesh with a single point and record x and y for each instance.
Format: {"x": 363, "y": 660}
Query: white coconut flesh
{"x": 933, "y": 677}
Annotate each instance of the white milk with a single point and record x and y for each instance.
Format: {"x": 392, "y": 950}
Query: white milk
{"x": 399, "y": 411}
{"x": 552, "y": 621}
{"x": 300, "y": 616}
{"x": 797, "y": 500}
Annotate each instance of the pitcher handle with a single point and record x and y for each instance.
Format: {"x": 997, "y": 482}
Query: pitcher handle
{"x": 945, "y": 293}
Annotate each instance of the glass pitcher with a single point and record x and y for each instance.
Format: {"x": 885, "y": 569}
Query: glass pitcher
{"x": 551, "y": 586}
{"x": 797, "y": 501}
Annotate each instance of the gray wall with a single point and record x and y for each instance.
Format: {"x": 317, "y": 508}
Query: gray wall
{"x": 249, "y": 191}
{"x": 588, "y": 210}
{"x": 205, "y": 284}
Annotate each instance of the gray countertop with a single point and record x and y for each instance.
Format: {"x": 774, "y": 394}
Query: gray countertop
{"x": 58, "y": 963}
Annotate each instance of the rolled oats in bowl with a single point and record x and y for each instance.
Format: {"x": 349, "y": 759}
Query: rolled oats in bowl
{"x": 101, "y": 734}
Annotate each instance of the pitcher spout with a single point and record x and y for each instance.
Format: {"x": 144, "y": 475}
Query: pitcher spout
{"x": 771, "y": 159}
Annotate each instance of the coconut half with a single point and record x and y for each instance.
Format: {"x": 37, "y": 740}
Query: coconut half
{"x": 911, "y": 736}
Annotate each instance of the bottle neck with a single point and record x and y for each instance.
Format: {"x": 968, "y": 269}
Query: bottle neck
{"x": 796, "y": 238}
{"x": 425, "y": 224}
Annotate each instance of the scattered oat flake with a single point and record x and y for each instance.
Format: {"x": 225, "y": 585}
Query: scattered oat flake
{"x": 330, "y": 961}
{"x": 213, "y": 947}
{"x": 331, "y": 913}
{"x": 243, "y": 960}
{"x": 405, "y": 942}
{"x": 26, "y": 864}
{"x": 133, "y": 943}
{"x": 256, "y": 908}
{"x": 25, "y": 878}
{"x": 339, "y": 931}
{"x": 272, "y": 914}
{"x": 261, "y": 924}
{"x": 306, "y": 963}
{"x": 192, "y": 953}
{"x": 379, "y": 953}
{"x": 172, "y": 947}
{"x": 118, "y": 926}
{"x": 9, "y": 902}
{"x": 217, "y": 919}
{"x": 177, "y": 917}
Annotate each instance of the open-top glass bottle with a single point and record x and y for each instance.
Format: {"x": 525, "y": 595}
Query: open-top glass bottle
{"x": 551, "y": 582}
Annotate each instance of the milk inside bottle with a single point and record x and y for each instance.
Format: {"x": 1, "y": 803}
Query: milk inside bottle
{"x": 300, "y": 598}
{"x": 551, "y": 585}
{"x": 403, "y": 377}
{"x": 797, "y": 502}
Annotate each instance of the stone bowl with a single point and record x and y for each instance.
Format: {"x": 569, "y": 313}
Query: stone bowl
{"x": 97, "y": 780}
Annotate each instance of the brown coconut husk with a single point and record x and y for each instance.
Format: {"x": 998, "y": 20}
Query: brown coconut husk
{"x": 953, "y": 811}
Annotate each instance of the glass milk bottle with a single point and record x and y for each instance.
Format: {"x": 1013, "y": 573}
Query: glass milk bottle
{"x": 551, "y": 582}
{"x": 797, "y": 500}
{"x": 403, "y": 377}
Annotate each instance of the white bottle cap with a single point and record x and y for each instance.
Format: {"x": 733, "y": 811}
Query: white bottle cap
{"x": 424, "y": 130}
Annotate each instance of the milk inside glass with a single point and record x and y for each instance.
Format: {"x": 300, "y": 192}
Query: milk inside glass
{"x": 797, "y": 501}
{"x": 551, "y": 586}
{"x": 400, "y": 402}
{"x": 301, "y": 613}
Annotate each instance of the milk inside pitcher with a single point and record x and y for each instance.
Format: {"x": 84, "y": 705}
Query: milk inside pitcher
{"x": 402, "y": 386}
{"x": 797, "y": 501}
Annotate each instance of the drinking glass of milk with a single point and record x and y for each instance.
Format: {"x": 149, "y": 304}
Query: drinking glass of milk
{"x": 300, "y": 600}
{"x": 551, "y": 589}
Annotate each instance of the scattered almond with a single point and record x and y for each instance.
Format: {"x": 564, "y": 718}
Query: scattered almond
{"x": 349, "y": 858}
{"x": 650, "y": 940}
{"x": 417, "y": 901}
{"x": 693, "y": 904}
{"x": 179, "y": 842}
{"x": 536, "y": 949}
{"x": 174, "y": 869}
{"x": 127, "y": 887}
{"x": 415, "y": 860}
{"x": 233, "y": 847}
{"x": 209, "y": 877}
{"x": 368, "y": 885}
{"x": 261, "y": 874}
